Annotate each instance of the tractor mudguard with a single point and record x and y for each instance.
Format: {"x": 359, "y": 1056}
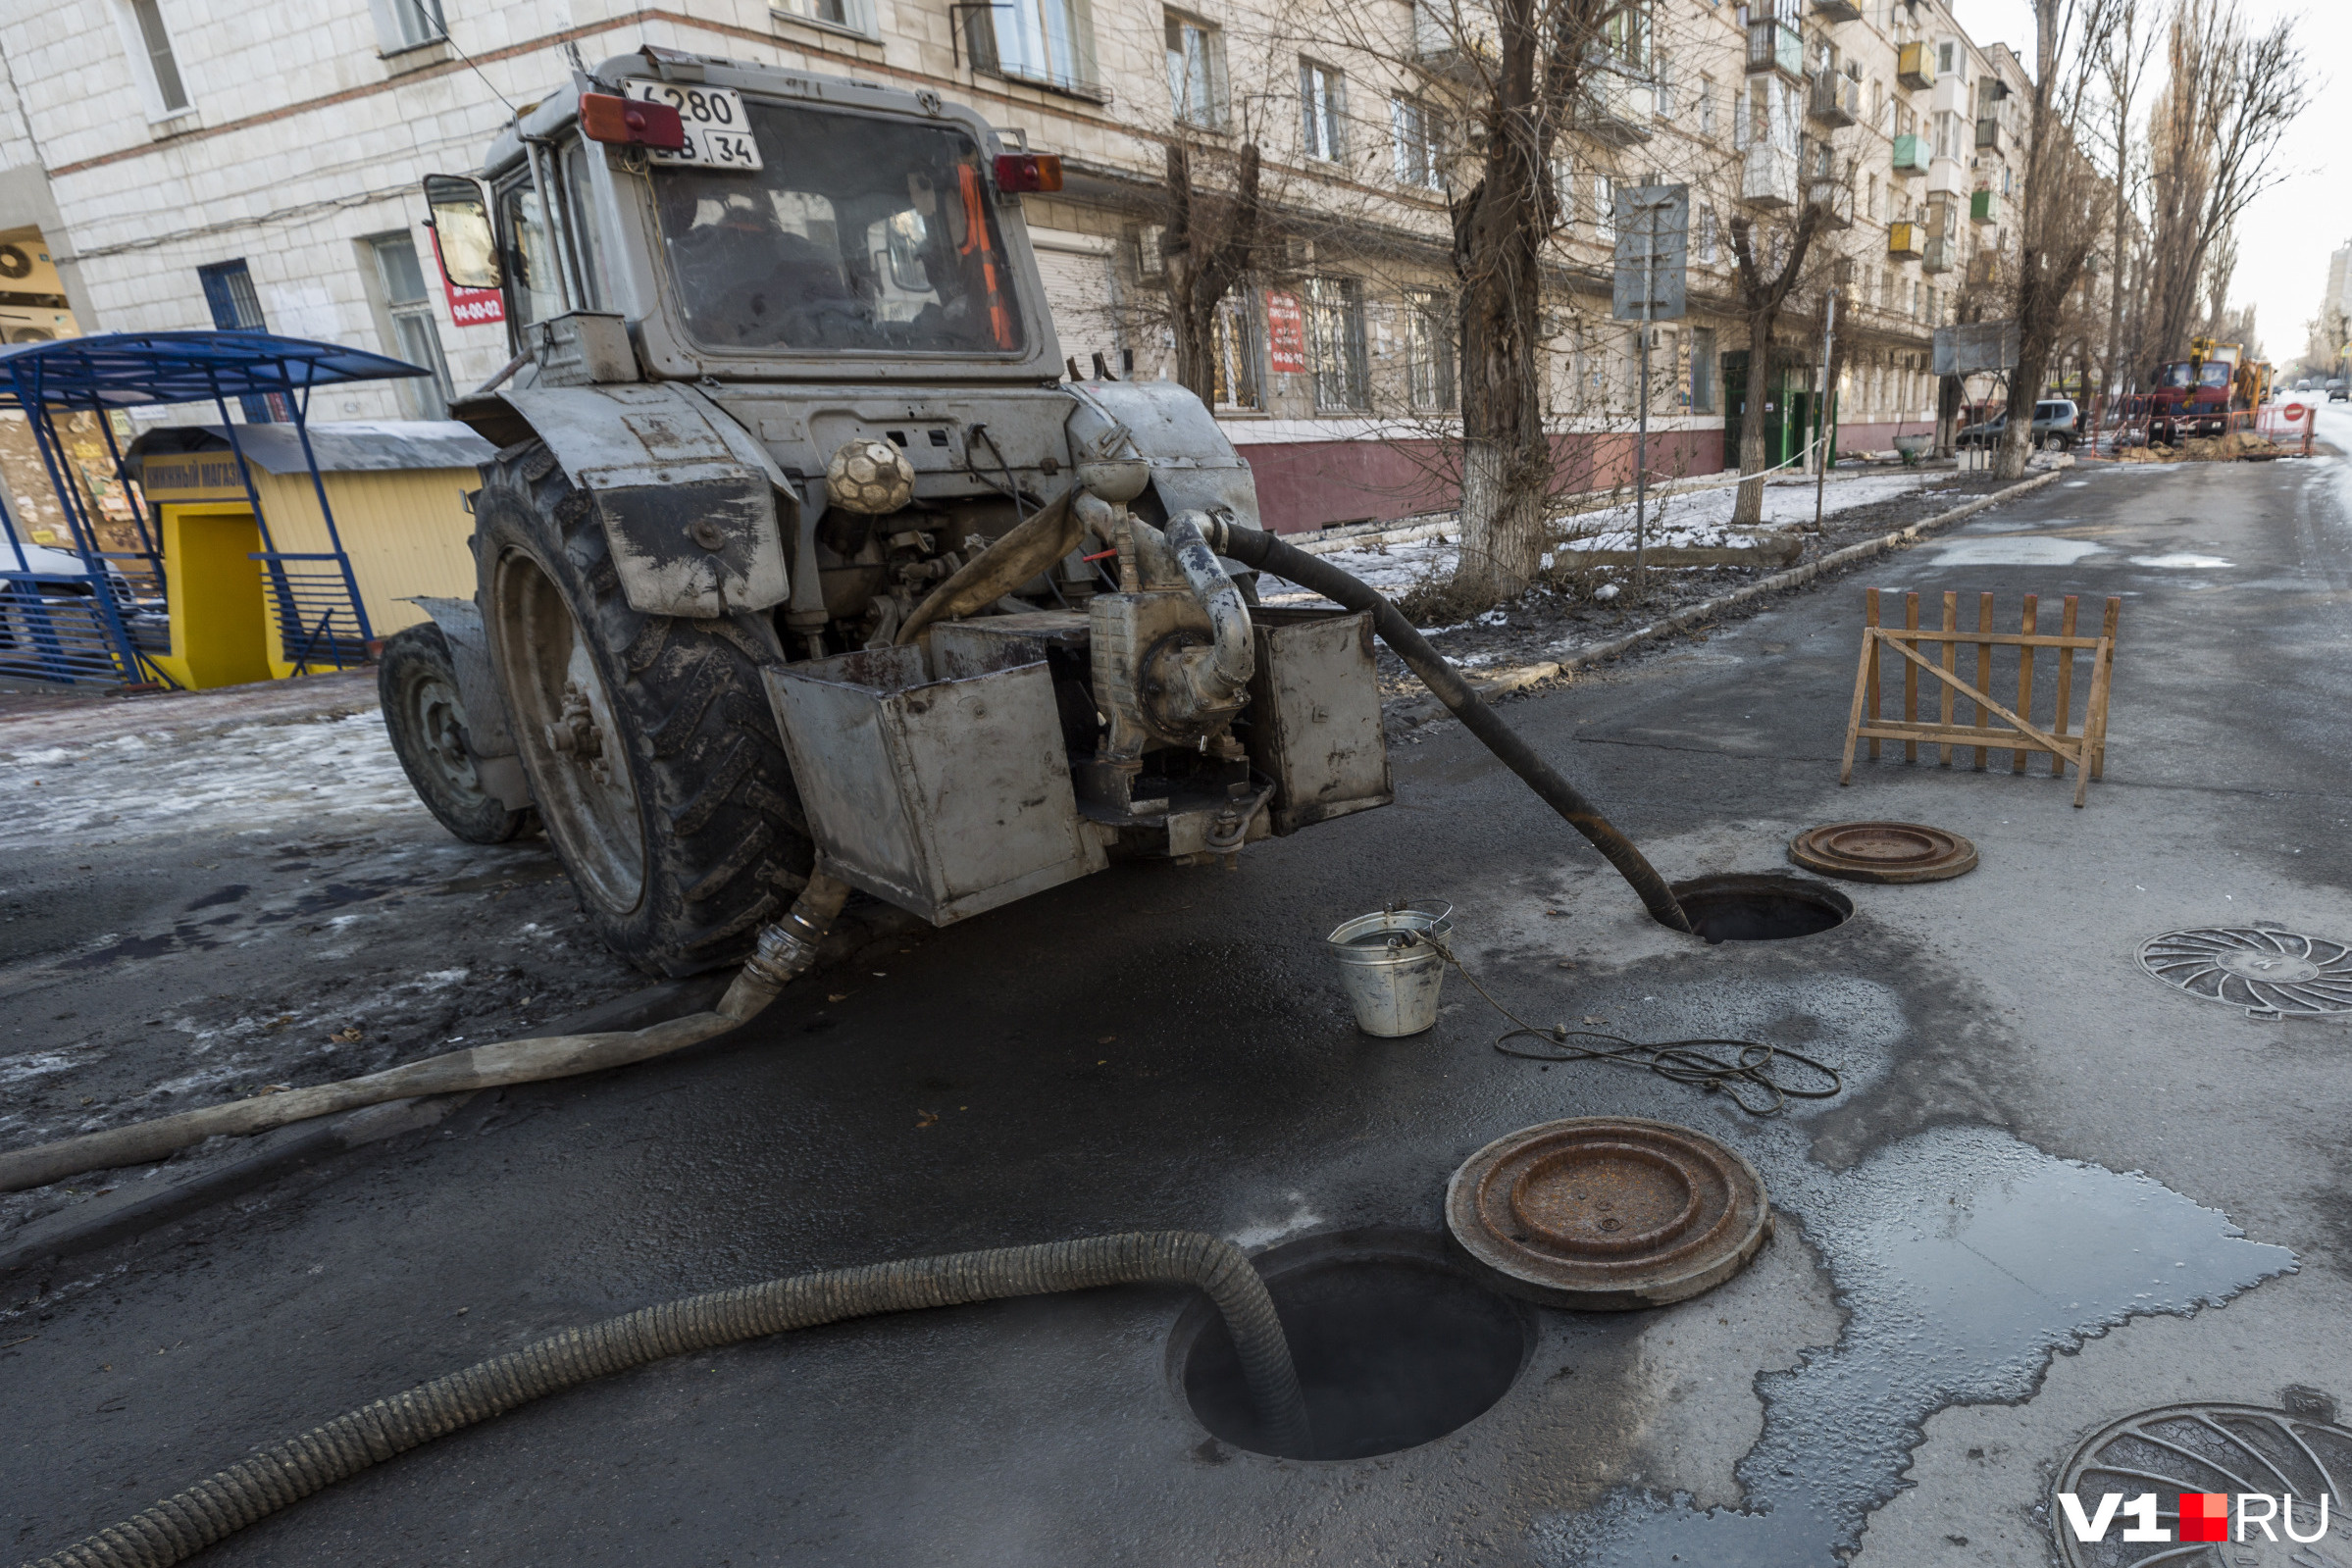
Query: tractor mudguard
{"x": 1194, "y": 467}
{"x": 490, "y": 734}
{"x": 689, "y": 501}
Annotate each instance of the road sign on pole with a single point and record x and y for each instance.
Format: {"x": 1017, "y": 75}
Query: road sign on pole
{"x": 1653, "y": 260}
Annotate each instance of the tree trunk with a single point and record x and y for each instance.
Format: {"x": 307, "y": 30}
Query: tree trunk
{"x": 1499, "y": 230}
{"x": 1748, "y": 509}
{"x": 1203, "y": 259}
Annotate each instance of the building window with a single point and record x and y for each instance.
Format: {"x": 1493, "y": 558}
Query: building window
{"x": 1707, "y": 235}
{"x": 1429, "y": 351}
{"x": 154, "y": 45}
{"x": 416, "y": 337}
{"x": 1707, "y": 106}
{"x": 1605, "y": 208}
{"x": 1563, "y": 190}
{"x": 1047, "y": 41}
{"x": 1240, "y": 348}
{"x": 1702, "y": 370}
{"x": 1665, "y": 87}
{"x": 847, "y": 15}
{"x": 1335, "y": 331}
{"x": 1420, "y": 134}
{"x": 1323, "y": 111}
{"x": 408, "y": 23}
{"x": 237, "y": 308}
{"x": 1196, "y": 72}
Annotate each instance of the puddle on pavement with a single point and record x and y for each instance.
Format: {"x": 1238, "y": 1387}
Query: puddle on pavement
{"x": 1964, "y": 1260}
{"x": 2015, "y": 550}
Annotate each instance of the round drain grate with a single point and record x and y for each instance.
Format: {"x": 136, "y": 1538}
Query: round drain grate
{"x": 1607, "y": 1213}
{"x": 2268, "y": 970}
{"x": 1883, "y": 851}
{"x": 2229, "y": 1448}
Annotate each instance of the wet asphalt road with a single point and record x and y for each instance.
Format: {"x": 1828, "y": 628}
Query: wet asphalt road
{"x": 2019, "y": 1221}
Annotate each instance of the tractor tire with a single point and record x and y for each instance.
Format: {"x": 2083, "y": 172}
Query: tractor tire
{"x": 426, "y": 718}
{"x": 648, "y": 738}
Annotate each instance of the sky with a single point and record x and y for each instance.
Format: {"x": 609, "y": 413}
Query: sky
{"x": 2285, "y": 237}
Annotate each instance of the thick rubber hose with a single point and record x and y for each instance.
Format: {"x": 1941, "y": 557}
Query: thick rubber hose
{"x": 786, "y": 950}
{"x": 1025, "y": 550}
{"x": 1264, "y": 551}
{"x": 185, "y": 1522}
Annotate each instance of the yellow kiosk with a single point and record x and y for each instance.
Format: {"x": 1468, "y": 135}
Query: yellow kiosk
{"x": 396, "y": 492}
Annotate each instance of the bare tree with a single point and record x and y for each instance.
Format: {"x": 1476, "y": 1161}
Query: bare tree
{"x": 2124, "y": 54}
{"x": 1206, "y": 247}
{"x": 1761, "y": 289}
{"x": 1528, "y": 62}
{"x": 2064, "y": 202}
{"x": 2215, "y": 137}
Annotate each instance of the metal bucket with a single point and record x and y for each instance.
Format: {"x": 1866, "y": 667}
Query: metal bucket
{"x": 1391, "y": 978}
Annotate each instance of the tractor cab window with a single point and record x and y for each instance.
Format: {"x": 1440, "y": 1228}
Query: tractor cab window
{"x": 859, "y": 234}
{"x": 530, "y": 254}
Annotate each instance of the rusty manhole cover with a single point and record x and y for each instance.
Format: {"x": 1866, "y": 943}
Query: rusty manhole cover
{"x": 2268, "y": 970}
{"x": 1607, "y": 1213}
{"x": 2234, "y": 1450}
{"x": 1883, "y": 851}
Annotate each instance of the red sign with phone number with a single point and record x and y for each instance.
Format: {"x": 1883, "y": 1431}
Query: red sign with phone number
{"x": 1286, "y": 333}
{"x": 468, "y": 307}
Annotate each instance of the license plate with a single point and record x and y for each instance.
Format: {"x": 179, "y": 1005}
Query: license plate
{"x": 718, "y": 135}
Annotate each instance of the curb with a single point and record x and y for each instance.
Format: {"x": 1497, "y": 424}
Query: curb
{"x": 1409, "y": 712}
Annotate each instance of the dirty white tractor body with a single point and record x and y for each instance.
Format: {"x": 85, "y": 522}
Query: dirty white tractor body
{"x": 799, "y": 553}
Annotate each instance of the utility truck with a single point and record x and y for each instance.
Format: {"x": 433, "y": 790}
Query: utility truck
{"x": 799, "y": 552}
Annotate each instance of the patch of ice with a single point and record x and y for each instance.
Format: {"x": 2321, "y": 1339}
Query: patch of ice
{"x": 2015, "y": 550}
{"x": 2181, "y": 561}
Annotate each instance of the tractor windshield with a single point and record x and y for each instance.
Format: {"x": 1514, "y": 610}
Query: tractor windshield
{"x": 859, "y": 234}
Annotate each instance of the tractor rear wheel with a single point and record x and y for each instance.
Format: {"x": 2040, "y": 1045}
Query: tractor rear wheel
{"x": 648, "y": 738}
{"x": 425, "y": 714}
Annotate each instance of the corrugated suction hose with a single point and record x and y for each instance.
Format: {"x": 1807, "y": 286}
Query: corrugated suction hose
{"x": 185, "y": 1524}
{"x": 1255, "y": 548}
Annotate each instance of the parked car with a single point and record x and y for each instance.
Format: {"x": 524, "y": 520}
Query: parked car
{"x": 2303, "y": 385}
{"x": 2056, "y": 426}
{"x": 2335, "y": 390}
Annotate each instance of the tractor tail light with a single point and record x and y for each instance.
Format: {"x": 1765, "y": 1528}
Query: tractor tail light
{"x": 630, "y": 122}
{"x": 1028, "y": 171}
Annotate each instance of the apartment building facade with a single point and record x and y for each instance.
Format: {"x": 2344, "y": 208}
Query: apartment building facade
{"x": 185, "y": 163}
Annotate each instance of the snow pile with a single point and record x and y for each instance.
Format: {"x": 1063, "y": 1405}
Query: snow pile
{"x": 1693, "y": 519}
{"x": 131, "y": 788}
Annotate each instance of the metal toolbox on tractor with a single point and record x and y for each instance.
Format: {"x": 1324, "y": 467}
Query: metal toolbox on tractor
{"x": 935, "y": 780}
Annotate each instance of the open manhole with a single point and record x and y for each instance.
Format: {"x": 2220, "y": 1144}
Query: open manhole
{"x": 2234, "y": 1449}
{"x": 1395, "y": 1344}
{"x": 1768, "y": 906}
{"x": 1883, "y": 852}
{"x": 1607, "y": 1213}
{"x": 2268, "y": 970}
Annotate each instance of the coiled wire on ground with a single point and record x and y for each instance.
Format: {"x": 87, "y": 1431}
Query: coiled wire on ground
{"x": 185, "y": 1522}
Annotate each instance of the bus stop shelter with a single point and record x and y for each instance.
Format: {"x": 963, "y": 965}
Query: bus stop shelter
{"x": 70, "y": 615}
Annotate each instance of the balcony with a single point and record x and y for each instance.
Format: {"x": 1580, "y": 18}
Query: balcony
{"x": 1936, "y": 257}
{"x": 1616, "y": 109}
{"x": 1776, "y": 46}
{"x": 1911, "y": 155}
{"x": 1836, "y": 99}
{"x": 1988, "y": 134}
{"x": 1768, "y": 178}
{"x": 1835, "y": 198}
{"x": 1984, "y": 207}
{"x": 1838, "y": 10}
{"x": 1984, "y": 269}
{"x": 1906, "y": 241}
{"x": 1915, "y": 66}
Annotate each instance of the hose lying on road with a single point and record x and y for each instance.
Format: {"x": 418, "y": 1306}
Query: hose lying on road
{"x": 786, "y": 950}
{"x": 1253, "y": 547}
{"x": 185, "y": 1522}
